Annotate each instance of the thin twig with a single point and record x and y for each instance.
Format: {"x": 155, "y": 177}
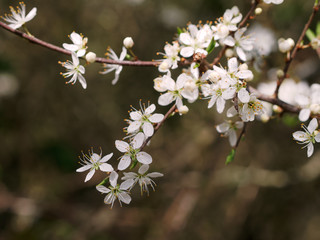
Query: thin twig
{"x": 243, "y": 132}
{"x": 295, "y": 49}
{"x": 50, "y": 46}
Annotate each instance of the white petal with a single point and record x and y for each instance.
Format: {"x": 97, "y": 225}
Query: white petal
{"x": 300, "y": 136}
{"x": 313, "y": 125}
{"x": 310, "y": 149}
{"x": 243, "y": 95}
{"x": 124, "y": 162}
{"x": 244, "y": 74}
{"x": 113, "y": 178}
{"x": 134, "y": 126}
{"x": 76, "y": 38}
{"x": 231, "y": 112}
{"x": 135, "y": 115}
{"x": 82, "y": 80}
{"x": 144, "y": 158}
{"x": 241, "y": 54}
{"x": 106, "y": 167}
{"x": 220, "y": 104}
{"x": 239, "y": 124}
{"x": 150, "y": 109}
{"x": 138, "y": 140}
{"x": 187, "y": 52}
{"x": 122, "y": 146}
{"x": 81, "y": 52}
{"x": 155, "y": 174}
{"x": 165, "y": 99}
{"x": 70, "y": 47}
{"x": 317, "y": 137}
{"x": 103, "y": 189}
{"x": 229, "y": 93}
{"x": 148, "y": 129}
{"x": 229, "y": 41}
{"x": 156, "y": 118}
{"x": 126, "y": 184}
{"x": 304, "y": 114}
{"x": 106, "y": 158}
{"x": 232, "y": 137}
{"x": 223, "y": 127}
{"x": 185, "y": 38}
{"x": 143, "y": 169}
{"x": 89, "y": 175}
{"x": 124, "y": 197}
{"x": 84, "y": 168}
{"x": 233, "y": 64}
{"x": 31, "y": 14}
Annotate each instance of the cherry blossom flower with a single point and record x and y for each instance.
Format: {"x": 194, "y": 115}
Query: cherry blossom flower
{"x": 195, "y": 40}
{"x": 143, "y": 178}
{"x": 171, "y": 56}
{"x": 132, "y": 152}
{"x": 18, "y": 17}
{"x": 93, "y": 161}
{"x": 79, "y": 44}
{"x": 309, "y": 137}
{"x": 229, "y": 128}
{"x": 248, "y": 110}
{"x": 227, "y": 23}
{"x": 114, "y": 67}
{"x": 75, "y": 70}
{"x": 114, "y": 191}
{"x": 285, "y": 45}
{"x": 143, "y": 119}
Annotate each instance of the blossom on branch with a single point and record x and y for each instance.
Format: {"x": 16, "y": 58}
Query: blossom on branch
{"x": 74, "y": 70}
{"x": 18, "y": 17}
{"x": 228, "y": 129}
{"x": 309, "y": 137}
{"x": 114, "y": 67}
{"x": 79, "y": 45}
{"x": 93, "y": 161}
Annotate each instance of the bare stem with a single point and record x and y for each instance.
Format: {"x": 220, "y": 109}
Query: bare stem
{"x": 295, "y": 49}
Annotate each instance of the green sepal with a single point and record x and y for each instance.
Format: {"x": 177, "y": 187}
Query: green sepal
{"x": 196, "y": 65}
{"x": 104, "y": 181}
{"x": 230, "y": 157}
{"x": 316, "y": 2}
{"x": 134, "y": 163}
{"x": 179, "y": 30}
{"x": 211, "y": 46}
{"x": 310, "y": 34}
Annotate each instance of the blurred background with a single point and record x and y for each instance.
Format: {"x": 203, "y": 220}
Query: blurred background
{"x": 270, "y": 191}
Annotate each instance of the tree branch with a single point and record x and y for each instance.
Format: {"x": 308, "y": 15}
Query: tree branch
{"x": 295, "y": 49}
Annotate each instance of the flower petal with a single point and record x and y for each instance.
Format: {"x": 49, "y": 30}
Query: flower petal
{"x": 150, "y": 109}
{"x": 89, "y": 175}
{"x": 106, "y": 167}
{"x": 122, "y": 146}
{"x": 144, "y": 158}
{"x": 148, "y": 129}
{"x": 143, "y": 169}
{"x": 126, "y": 184}
{"x": 156, "y": 118}
{"x": 312, "y": 125}
{"x": 124, "y": 162}
{"x": 113, "y": 178}
{"x": 138, "y": 140}
{"x": 103, "y": 189}
{"x": 106, "y": 158}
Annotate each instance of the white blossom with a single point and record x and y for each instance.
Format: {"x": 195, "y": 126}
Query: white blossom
{"x": 132, "y": 152}
{"x": 143, "y": 178}
{"x": 171, "y": 56}
{"x": 114, "y": 191}
{"x": 18, "y": 17}
{"x": 79, "y": 45}
{"x": 309, "y": 137}
{"x": 273, "y": 1}
{"x": 229, "y": 128}
{"x": 114, "y": 67}
{"x": 249, "y": 109}
{"x": 144, "y": 119}
{"x": 74, "y": 70}
{"x": 285, "y": 45}
{"x": 93, "y": 161}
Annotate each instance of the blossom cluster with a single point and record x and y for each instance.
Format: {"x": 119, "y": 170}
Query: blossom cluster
{"x": 139, "y": 130}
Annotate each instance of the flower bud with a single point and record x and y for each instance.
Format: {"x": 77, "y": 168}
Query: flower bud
{"x": 258, "y": 11}
{"x": 229, "y": 53}
{"x": 183, "y": 109}
{"x": 163, "y": 67}
{"x": 277, "y": 109}
{"x": 285, "y": 45}
{"x": 315, "y": 43}
{"x": 128, "y": 42}
{"x": 91, "y": 57}
{"x": 243, "y": 66}
{"x": 280, "y": 73}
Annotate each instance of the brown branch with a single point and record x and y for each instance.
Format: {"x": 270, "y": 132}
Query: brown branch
{"x": 243, "y": 132}
{"x": 55, "y": 48}
{"x": 295, "y": 49}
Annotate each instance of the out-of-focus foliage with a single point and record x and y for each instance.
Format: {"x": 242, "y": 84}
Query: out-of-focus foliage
{"x": 270, "y": 190}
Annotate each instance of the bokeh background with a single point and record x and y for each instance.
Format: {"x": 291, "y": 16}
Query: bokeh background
{"x": 270, "y": 191}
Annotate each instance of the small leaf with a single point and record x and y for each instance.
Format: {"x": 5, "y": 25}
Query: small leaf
{"x": 230, "y": 157}
{"x": 211, "y": 46}
{"x": 179, "y": 30}
{"x": 310, "y": 34}
{"x": 196, "y": 65}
